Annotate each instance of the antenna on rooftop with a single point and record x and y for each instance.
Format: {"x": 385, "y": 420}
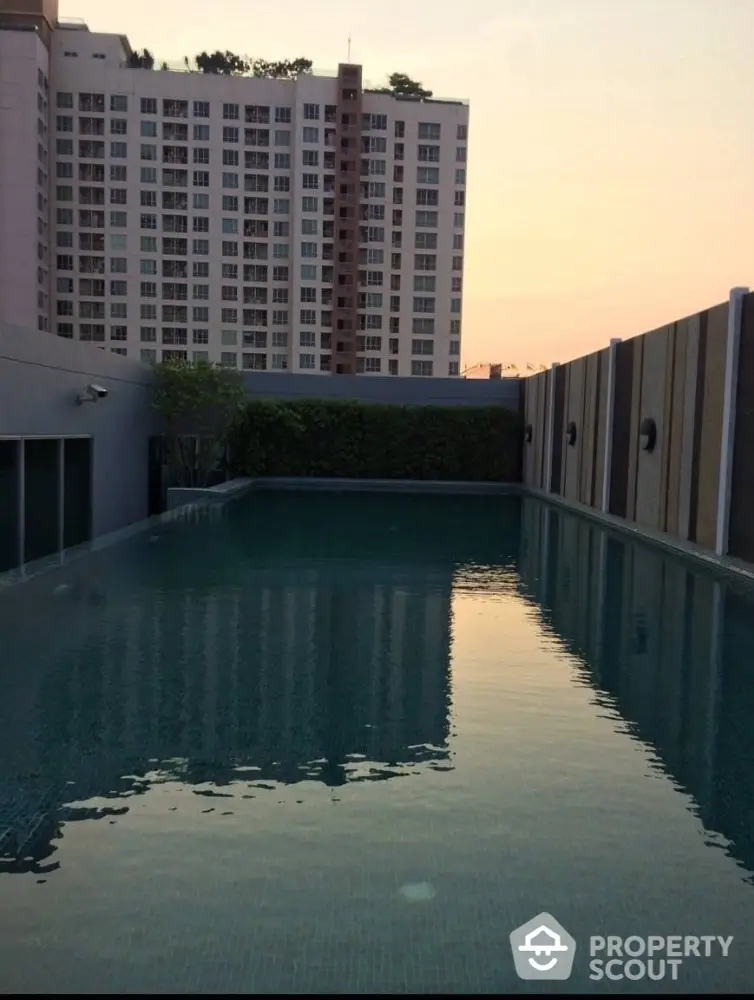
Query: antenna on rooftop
{"x": 349, "y": 46}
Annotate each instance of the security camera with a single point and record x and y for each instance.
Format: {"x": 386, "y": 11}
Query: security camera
{"x": 91, "y": 394}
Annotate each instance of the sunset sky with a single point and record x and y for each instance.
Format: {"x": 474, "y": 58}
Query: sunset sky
{"x": 611, "y": 145}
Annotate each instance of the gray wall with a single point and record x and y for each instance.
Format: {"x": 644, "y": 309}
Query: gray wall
{"x": 41, "y": 375}
{"x": 384, "y": 389}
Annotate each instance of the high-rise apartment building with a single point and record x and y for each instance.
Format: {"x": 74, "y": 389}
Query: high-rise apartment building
{"x": 309, "y": 225}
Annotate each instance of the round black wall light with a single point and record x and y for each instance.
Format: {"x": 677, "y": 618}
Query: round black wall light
{"x": 648, "y": 434}
{"x": 571, "y": 433}
{"x": 528, "y": 432}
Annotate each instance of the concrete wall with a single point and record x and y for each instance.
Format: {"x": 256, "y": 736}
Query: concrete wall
{"x": 40, "y": 378}
{"x": 676, "y": 376}
{"x": 416, "y": 391}
{"x": 41, "y": 375}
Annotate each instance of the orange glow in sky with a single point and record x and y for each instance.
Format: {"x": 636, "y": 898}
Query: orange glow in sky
{"x": 611, "y": 147}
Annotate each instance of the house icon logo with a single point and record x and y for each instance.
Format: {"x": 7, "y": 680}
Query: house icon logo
{"x": 542, "y": 949}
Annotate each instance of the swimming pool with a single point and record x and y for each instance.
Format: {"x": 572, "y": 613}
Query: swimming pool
{"x": 322, "y": 742}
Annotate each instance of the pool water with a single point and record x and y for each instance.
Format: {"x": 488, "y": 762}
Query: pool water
{"x": 347, "y": 743}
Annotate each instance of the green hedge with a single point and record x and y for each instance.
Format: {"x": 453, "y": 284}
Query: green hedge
{"x": 370, "y": 441}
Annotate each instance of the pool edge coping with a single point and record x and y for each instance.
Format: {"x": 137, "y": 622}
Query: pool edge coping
{"x": 726, "y": 566}
{"x": 27, "y": 571}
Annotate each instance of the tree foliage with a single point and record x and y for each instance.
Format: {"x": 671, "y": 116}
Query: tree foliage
{"x": 222, "y": 63}
{"x": 401, "y": 85}
{"x": 230, "y": 64}
{"x": 199, "y": 403}
{"x": 141, "y": 60}
{"x": 286, "y": 69}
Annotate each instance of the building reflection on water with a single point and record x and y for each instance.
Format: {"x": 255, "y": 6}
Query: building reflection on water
{"x": 255, "y": 649}
{"x": 667, "y": 646}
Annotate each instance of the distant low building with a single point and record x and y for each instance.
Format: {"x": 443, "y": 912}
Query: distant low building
{"x": 499, "y": 369}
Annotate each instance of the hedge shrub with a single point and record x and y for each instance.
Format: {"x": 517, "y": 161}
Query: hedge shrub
{"x": 357, "y": 440}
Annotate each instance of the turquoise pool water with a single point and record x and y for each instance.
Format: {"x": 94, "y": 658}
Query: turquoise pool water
{"x": 348, "y": 743}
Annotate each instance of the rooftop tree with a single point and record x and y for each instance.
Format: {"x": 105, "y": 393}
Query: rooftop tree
{"x": 400, "y": 85}
{"x": 222, "y": 63}
{"x": 404, "y": 86}
{"x": 141, "y": 60}
{"x": 199, "y": 403}
{"x": 286, "y": 69}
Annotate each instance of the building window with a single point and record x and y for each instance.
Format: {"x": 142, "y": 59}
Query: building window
{"x": 311, "y": 112}
{"x": 423, "y": 368}
{"x": 174, "y": 109}
{"x": 429, "y": 131}
{"x": 427, "y": 175}
{"x": 423, "y": 326}
{"x": 422, "y": 347}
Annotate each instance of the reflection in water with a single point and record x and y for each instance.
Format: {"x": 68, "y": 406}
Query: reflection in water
{"x": 235, "y": 656}
{"x": 663, "y": 645}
